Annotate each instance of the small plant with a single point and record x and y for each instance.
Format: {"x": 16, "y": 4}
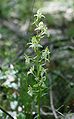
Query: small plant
{"x": 38, "y": 61}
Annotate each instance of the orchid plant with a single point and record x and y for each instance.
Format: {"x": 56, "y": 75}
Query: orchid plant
{"x": 38, "y": 61}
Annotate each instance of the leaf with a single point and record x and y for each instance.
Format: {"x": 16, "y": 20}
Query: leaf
{"x": 46, "y": 54}
{"x": 21, "y": 116}
{"x": 27, "y": 59}
{"x": 31, "y": 70}
{"x": 30, "y": 91}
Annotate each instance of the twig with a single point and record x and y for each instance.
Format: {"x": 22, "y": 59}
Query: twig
{"x": 6, "y": 113}
{"x": 31, "y": 16}
{"x": 45, "y": 113}
{"x": 52, "y": 105}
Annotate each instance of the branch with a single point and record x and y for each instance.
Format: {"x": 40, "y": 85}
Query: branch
{"x": 45, "y": 113}
{"x": 52, "y": 105}
{"x": 6, "y": 113}
{"x": 50, "y": 113}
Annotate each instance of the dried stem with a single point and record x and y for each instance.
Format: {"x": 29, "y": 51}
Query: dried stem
{"x": 6, "y": 112}
{"x": 52, "y": 105}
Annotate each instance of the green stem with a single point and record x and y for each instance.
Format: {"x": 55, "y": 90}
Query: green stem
{"x": 37, "y": 64}
{"x": 39, "y": 104}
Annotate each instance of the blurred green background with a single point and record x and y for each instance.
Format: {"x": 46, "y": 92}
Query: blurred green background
{"x": 16, "y": 18}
